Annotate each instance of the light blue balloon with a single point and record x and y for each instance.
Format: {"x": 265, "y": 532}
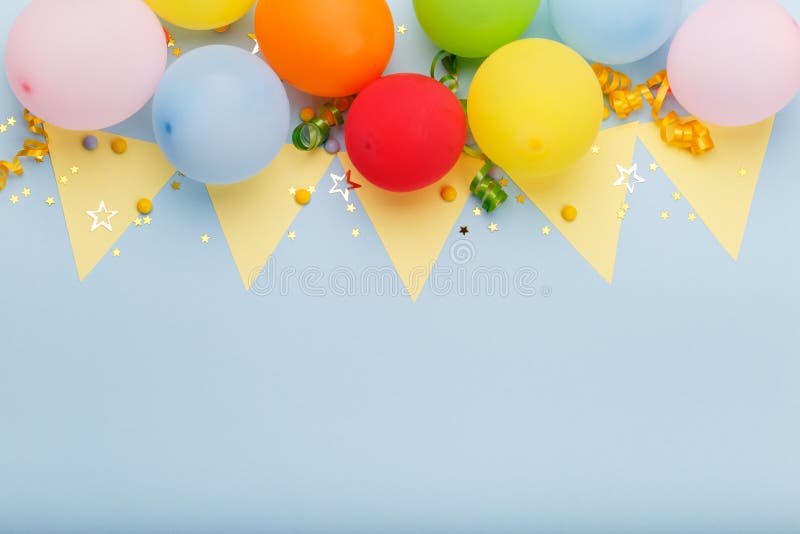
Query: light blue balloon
{"x": 220, "y": 114}
{"x": 615, "y": 32}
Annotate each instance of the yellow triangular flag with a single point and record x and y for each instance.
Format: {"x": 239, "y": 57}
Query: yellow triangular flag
{"x": 256, "y": 213}
{"x": 414, "y": 226}
{"x": 589, "y": 187}
{"x": 89, "y": 181}
{"x": 719, "y": 184}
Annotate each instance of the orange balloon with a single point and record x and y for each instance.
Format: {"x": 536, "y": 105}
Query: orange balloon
{"x": 328, "y": 48}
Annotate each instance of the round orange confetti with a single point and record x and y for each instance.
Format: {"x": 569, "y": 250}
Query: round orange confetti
{"x": 144, "y": 206}
{"x": 449, "y": 193}
{"x": 119, "y": 145}
{"x": 223, "y": 29}
{"x": 303, "y": 197}
{"x": 306, "y": 114}
{"x": 569, "y": 213}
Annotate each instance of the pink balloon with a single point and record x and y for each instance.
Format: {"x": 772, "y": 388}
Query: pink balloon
{"x": 736, "y": 62}
{"x": 85, "y": 64}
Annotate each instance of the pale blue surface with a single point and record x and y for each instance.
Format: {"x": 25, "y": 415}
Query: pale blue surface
{"x": 158, "y": 396}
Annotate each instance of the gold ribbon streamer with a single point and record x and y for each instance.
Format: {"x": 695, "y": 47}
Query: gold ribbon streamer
{"x": 624, "y": 98}
{"x": 31, "y": 148}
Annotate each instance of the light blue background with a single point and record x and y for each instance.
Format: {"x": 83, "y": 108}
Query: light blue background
{"x": 158, "y": 396}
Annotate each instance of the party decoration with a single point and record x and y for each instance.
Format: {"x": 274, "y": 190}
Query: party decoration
{"x": 31, "y": 148}
{"x": 220, "y": 114}
{"x": 535, "y": 108}
{"x": 736, "y": 62}
{"x": 405, "y": 131}
{"x": 720, "y": 185}
{"x": 615, "y": 31}
{"x": 595, "y": 234}
{"x": 488, "y": 191}
{"x": 201, "y": 14}
{"x": 474, "y": 28}
{"x": 315, "y": 130}
{"x": 142, "y": 174}
{"x": 624, "y": 99}
{"x": 256, "y": 214}
{"x": 415, "y": 226}
{"x": 329, "y": 48}
{"x": 85, "y": 64}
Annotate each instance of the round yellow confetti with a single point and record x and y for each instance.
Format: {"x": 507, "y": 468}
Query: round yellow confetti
{"x": 119, "y": 145}
{"x": 449, "y": 193}
{"x": 144, "y": 206}
{"x": 569, "y": 213}
{"x": 306, "y": 114}
{"x": 303, "y": 197}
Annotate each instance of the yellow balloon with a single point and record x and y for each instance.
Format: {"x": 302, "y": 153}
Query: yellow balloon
{"x": 535, "y": 107}
{"x": 200, "y": 14}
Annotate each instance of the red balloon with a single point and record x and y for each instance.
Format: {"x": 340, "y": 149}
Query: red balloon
{"x": 405, "y": 132}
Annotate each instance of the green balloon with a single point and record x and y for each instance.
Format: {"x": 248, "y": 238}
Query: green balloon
{"x": 474, "y": 28}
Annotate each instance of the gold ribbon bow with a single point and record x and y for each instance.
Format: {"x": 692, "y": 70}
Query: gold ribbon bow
{"x": 31, "y": 148}
{"x": 624, "y": 98}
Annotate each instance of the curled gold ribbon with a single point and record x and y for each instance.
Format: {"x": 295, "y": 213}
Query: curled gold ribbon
{"x": 624, "y": 98}
{"x": 31, "y": 148}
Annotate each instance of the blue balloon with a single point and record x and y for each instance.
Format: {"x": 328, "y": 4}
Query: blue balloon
{"x": 615, "y": 31}
{"x": 220, "y": 114}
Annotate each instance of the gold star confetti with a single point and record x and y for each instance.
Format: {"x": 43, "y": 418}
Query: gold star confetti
{"x": 26, "y": 192}
{"x": 292, "y": 191}
{"x": 664, "y": 215}
{"x": 311, "y": 189}
{"x": 176, "y": 185}
{"x": 595, "y": 150}
{"x": 177, "y": 52}
{"x": 11, "y": 121}
{"x": 205, "y": 238}
{"x": 292, "y": 236}
{"x": 476, "y": 212}
{"x": 503, "y": 182}
{"x": 521, "y": 199}
{"x": 137, "y": 221}
{"x": 742, "y": 172}
{"x": 351, "y": 208}
{"x": 676, "y": 196}
{"x": 171, "y": 43}
{"x": 63, "y": 179}
{"x": 3, "y": 128}
{"x": 14, "y": 199}
{"x": 356, "y": 232}
{"x": 621, "y": 214}
{"x": 493, "y": 227}
{"x": 74, "y": 169}
{"x": 117, "y": 252}
{"x": 692, "y": 217}
{"x": 147, "y": 220}
{"x": 402, "y": 29}
{"x": 50, "y": 201}
{"x": 546, "y": 230}
{"x": 626, "y": 206}
{"x": 654, "y": 166}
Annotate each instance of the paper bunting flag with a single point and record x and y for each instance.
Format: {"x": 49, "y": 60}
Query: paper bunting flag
{"x": 589, "y": 186}
{"x": 721, "y": 183}
{"x": 414, "y": 226}
{"x": 255, "y": 214}
{"x": 99, "y": 189}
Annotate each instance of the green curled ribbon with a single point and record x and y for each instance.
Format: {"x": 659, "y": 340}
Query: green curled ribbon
{"x": 450, "y": 64}
{"x": 487, "y": 190}
{"x": 314, "y": 133}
